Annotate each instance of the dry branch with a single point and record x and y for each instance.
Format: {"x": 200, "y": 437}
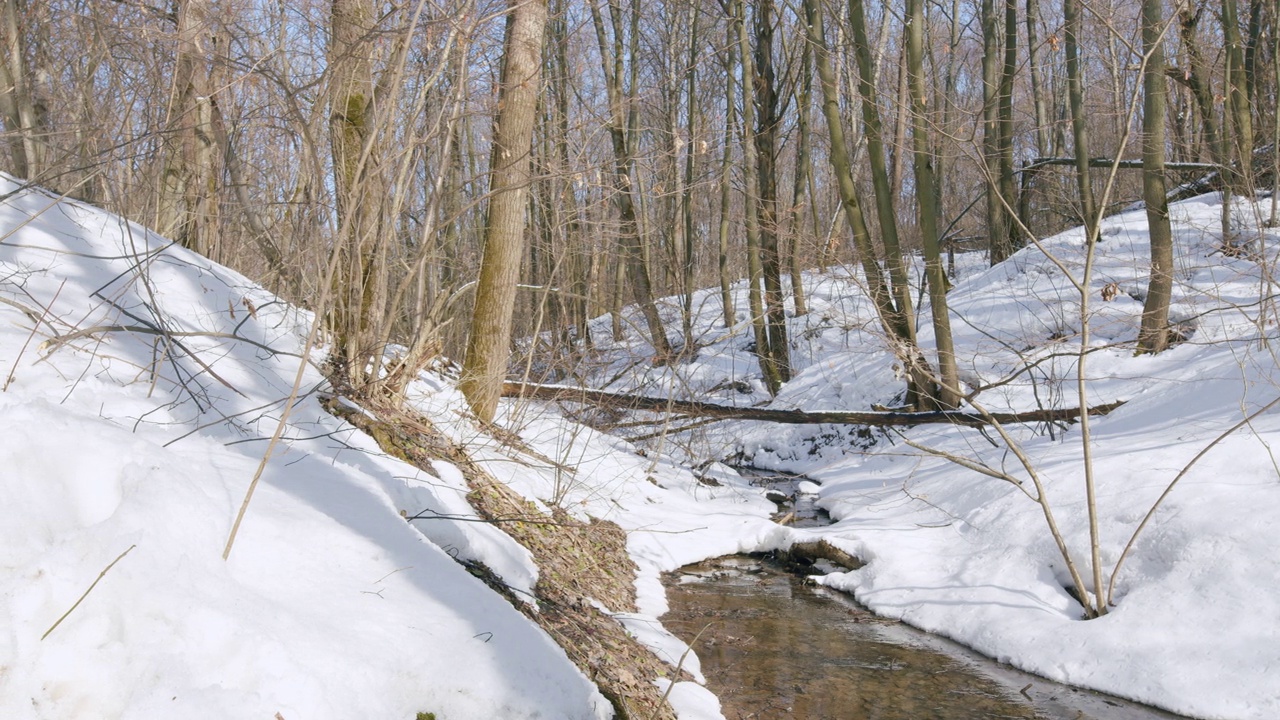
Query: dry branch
{"x": 794, "y": 417}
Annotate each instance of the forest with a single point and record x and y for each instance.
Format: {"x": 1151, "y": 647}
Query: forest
{"x": 444, "y": 177}
{"x": 992, "y": 283}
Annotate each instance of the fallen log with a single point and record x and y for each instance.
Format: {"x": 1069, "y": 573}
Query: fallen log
{"x": 620, "y": 401}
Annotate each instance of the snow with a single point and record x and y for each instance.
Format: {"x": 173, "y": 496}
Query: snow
{"x": 119, "y": 445}
{"x": 1194, "y": 626}
{"x": 331, "y": 605}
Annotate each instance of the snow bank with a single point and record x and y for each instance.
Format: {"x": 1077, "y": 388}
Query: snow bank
{"x": 143, "y": 384}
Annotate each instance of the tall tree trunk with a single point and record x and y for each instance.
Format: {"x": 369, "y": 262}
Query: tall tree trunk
{"x": 1239, "y": 103}
{"x": 688, "y": 279}
{"x": 489, "y": 343}
{"x": 622, "y": 131}
{"x": 766, "y": 143}
{"x": 357, "y": 189}
{"x": 997, "y": 229}
{"x": 804, "y": 100}
{"x": 18, "y": 106}
{"x": 1197, "y": 78}
{"x": 726, "y": 180}
{"x": 842, "y": 167}
{"x": 751, "y": 210}
{"x": 1043, "y": 144}
{"x": 873, "y": 131}
{"x": 580, "y": 254}
{"x": 1079, "y": 120}
{"x": 1153, "y": 336}
{"x": 1275, "y": 118}
{"x": 919, "y": 385}
{"x": 948, "y": 377}
{"x": 1009, "y": 237}
{"x": 187, "y": 192}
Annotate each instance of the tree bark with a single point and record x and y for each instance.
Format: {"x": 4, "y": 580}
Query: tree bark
{"x": 751, "y": 212}
{"x": 1079, "y": 121}
{"x": 489, "y": 343}
{"x": 873, "y": 131}
{"x": 358, "y": 192}
{"x": 766, "y": 144}
{"x": 187, "y": 193}
{"x": 18, "y": 107}
{"x": 890, "y": 316}
{"x": 1043, "y": 143}
{"x": 726, "y": 184}
{"x": 948, "y": 395}
{"x": 1239, "y": 102}
{"x": 621, "y": 126}
{"x": 1153, "y": 336}
{"x": 997, "y": 228}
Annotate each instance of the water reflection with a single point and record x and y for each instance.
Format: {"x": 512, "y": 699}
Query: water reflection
{"x": 776, "y": 647}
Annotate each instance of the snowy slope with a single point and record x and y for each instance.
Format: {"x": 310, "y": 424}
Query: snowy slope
{"x": 331, "y": 606}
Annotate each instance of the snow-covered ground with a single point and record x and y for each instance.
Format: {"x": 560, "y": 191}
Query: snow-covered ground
{"x": 142, "y": 384}
{"x": 1195, "y": 621}
{"x": 120, "y": 445}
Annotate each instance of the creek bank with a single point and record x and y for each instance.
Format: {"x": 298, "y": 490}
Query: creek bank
{"x": 772, "y": 645}
{"x": 771, "y": 642}
{"x": 581, "y": 564}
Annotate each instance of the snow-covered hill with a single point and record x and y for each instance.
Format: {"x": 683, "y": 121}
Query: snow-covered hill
{"x": 142, "y": 383}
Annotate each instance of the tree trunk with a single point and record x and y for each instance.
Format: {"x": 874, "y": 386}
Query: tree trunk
{"x": 357, "y": 191}
{"x": 873, "y": 131}
{"x": 187, "y": 192}
{"x": 621, "y": 126}
{"x": 1079, "y": 121}
{"x": 489, "y": 343}
{"x": 804, "y": 159}
{"x": 948, "y": 377}
{"x": 842, "y": 167}
{"x": 1153, "y": 336}
{"x": 1043, "y": 144}
{"x": 18, "y": 107}
{"x": 726, "y": 184}
{"x": 766, "y": 144}
{"x": 751, "y": 210}
{"x": 1239, "y": 104}
{"x": 997, "y": 229}
{"x": 1006, "y": 244}
{"x": 688, "y": 279}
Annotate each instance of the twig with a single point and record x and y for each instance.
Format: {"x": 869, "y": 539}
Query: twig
{"x": 679, "y": 667}
{"x": 1111, "y": 582}
{"x": 13, "y": 371}
{"x": 105, "y": 570}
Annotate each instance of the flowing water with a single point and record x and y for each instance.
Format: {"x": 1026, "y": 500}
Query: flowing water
{"x": 772, "y": 646}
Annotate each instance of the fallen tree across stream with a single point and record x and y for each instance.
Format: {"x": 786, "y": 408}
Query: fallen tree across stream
{"x": 693, "y": 408}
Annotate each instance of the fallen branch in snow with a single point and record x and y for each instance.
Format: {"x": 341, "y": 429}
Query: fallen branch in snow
{"x": 105, "y": 570}
{"x": 54, "y": 342}
{"x": 879, "y": 419}
{"x": 807, "y": 553}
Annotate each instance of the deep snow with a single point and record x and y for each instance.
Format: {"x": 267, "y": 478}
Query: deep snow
{"x": 332, "y": 606}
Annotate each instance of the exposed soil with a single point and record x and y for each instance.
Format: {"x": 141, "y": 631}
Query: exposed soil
{"x": 578, "y": 562}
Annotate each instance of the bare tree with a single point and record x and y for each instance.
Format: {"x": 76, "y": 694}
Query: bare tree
{"x": 20, "y": 110}
{"x": 489, "y": 346}
{"x": 1154, "y": 333}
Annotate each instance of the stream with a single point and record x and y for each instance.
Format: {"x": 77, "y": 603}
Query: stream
{"x": 772, "y": 645}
